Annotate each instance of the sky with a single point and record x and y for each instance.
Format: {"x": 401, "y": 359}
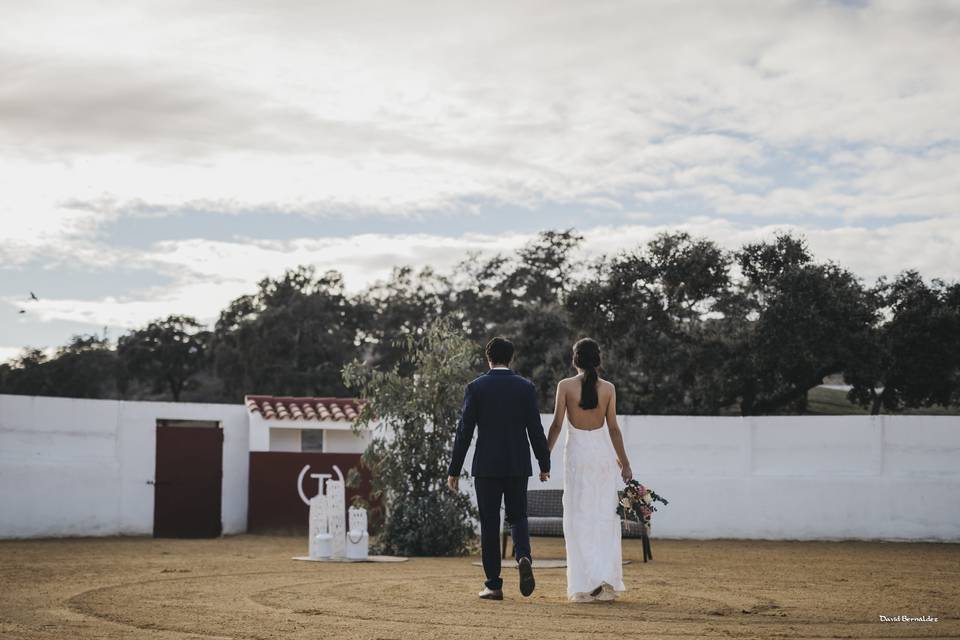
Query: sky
{"x": 160, "y": 158}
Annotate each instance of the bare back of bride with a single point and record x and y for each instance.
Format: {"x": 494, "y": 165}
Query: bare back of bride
{"x": 595, "y": 466}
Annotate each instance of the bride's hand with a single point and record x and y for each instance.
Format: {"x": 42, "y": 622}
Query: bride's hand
{"x": 626, "y": 473}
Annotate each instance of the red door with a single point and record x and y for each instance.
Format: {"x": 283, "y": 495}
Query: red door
{"x": 188, "y": 482}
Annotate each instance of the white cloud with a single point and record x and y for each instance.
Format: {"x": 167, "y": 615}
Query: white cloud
{"x": 774, "y": 110}
{"x": 929, "y": 246}
{"x": 316, "y": 107}
{"x": 9, "y": 353}
{"x": 210, "y": 274}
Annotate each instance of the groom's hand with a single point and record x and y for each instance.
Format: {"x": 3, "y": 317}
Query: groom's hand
{"x": 544, "y": 476}
{"x": 453, "y": 483}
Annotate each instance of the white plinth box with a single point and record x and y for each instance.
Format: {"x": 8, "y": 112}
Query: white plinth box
{"x": 328, "y": 538}
{"x": 358, "y": 540}
{"x": 319, "y": 530}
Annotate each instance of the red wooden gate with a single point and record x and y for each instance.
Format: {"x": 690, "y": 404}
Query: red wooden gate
{"x": 189, "y": 479}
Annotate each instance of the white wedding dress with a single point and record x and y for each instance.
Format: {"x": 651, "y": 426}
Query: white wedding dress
{"x": 591, "y": 526}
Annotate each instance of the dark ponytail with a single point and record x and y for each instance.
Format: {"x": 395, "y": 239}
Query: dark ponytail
{"x": 586, "y": 356}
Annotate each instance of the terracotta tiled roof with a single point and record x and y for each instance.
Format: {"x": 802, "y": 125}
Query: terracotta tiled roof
{"x": 304, "y": 408}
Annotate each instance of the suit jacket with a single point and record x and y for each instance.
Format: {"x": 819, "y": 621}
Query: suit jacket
{"x": 502, "y": 407}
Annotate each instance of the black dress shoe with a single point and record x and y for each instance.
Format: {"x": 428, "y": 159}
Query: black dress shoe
{"x": 527, "y": 583}
{"x": 491, "y": 594}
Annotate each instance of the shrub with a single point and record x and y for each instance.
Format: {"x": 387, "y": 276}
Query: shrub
{"x": 414, "y": 420}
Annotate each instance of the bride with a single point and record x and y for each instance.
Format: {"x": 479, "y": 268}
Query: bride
{"x": 592, "y": 453}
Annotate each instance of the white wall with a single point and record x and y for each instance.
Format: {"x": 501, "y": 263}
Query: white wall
{"x": 345, "y": 441}
{"x": 71, "y": 467}
{"x": 284, "y": 440}
{"x": 284, "y": 435}
{"x": 836, "y": 477}
{"x": 80, "y": 467}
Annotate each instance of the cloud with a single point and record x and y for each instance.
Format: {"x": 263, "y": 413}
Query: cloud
{"x": 929, "y": 246}
{"x": 9, "y": 353}
{"x": 314, "y": 107}
{"x": 210, "y": 274}
{"x": 729, "y": 119}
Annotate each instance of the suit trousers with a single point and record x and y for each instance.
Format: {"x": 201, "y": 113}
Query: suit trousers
{"x": 490, "y": 492}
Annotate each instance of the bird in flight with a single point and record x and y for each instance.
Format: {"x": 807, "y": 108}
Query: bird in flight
{"x": 33, "y": 296}
{"x": 23, "y": 311}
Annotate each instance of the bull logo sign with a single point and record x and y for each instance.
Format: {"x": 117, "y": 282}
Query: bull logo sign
{"x": 321, "y": 478}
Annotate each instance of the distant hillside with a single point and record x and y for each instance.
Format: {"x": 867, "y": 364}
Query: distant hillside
{"x": 833, "y": 402}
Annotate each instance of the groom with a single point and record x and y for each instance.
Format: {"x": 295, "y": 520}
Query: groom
{"x": 502, "y": 406}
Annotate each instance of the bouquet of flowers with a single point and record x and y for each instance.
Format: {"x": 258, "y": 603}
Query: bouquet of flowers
{"x": 636, "y": 503}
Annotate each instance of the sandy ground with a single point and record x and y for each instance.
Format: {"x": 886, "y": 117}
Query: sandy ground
{"x": 248, "y": 587}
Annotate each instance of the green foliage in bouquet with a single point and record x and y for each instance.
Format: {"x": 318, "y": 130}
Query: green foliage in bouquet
{"x": 414, "y": 417}
{"x": 635, "y": 502}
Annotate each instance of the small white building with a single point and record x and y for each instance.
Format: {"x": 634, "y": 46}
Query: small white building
{"x": 284, "y": 423}
{"x": 294, "y": 443}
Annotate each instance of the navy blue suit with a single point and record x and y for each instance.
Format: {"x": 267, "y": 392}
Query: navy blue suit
{"x": 502, "y": 407}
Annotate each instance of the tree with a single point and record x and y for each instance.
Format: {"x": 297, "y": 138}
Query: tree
{"x": 687, "y": 328}
{"x": 543, "y": 273}
{"x": 658, "y": 312}
{"x": 916, "y": 359}
{"x": 235, "y": 336}
{"x": 805, "y": 321}
{"x": 523, "y": 298}
{"x": 414, "y": 417}
{"x": 764, "y": 262}
{"x": 292, "y": 337}
{"x": 83, "y": 368}
{"x": 165, "y": 354}
{"x": 403, "y": 305}
{"x": 26, "y": 375}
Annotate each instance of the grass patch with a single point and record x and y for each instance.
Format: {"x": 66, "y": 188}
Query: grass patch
{"x": 833, "y": 402}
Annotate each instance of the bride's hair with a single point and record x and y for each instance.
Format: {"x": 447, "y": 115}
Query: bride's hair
{"x": 586, "y": 356}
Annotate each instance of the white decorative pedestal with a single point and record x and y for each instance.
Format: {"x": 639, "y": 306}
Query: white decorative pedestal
{"x": 358, "y": 540}
{"x": 319, "y": 529}
{"x": 336, "y": 502}
{"x": 329, "y": 539}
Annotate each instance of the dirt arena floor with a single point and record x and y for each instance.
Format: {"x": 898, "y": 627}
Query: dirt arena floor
{"x": 248, "y": 587}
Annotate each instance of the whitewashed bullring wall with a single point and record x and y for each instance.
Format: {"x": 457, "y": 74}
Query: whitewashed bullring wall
{"x": 808, "y": 478}
{"x": 72, "y": 467}
{"x": 80, "y": 467}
